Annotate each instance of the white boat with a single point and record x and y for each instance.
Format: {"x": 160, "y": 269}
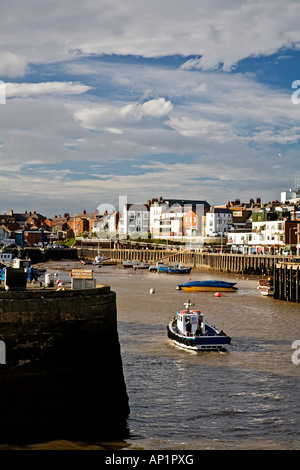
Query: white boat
{"x": 188, "y": 330}
{"x": 141, "y": 266}
{"x": 175, "y": 268}
{"x": 99, "y": 260}
{"x": 129, "y": 263}
{"x": 266, "y": 286}
{"x": 159, "y": 267}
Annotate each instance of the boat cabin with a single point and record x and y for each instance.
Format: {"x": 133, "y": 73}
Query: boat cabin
{"x": 195, "y": 318}
{"x": 5, "y": 257}
{"x": 21, "y": 263}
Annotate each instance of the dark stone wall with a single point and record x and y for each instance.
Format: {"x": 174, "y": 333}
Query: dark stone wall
{"x": 287, "y": 282}
{"x": 63, "y": 377}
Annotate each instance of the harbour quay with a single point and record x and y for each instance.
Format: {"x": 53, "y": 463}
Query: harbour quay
{"x": 63, "y": 376}
{"x": 221, "y": 262}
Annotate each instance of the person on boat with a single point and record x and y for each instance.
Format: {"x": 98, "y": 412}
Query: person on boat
{"x": 199, "y": 328}
{"x": 188, "y": 327}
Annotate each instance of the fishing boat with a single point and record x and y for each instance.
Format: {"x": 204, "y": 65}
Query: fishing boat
{"x": 178, "y": 269}
{"x": 33, "y": 273}
{"x": 208, "y": 286}
{"x": 188, "y": 330}
{"x": 266, "y": 286}
{"x": 161, "y": 267}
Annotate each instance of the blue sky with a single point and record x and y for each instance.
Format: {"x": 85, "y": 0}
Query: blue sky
{"x": 188, "y": 99}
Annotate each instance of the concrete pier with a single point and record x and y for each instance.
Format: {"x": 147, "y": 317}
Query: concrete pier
{"x": 63, "y": 376}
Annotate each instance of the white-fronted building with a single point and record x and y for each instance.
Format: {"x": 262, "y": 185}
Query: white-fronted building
{"x": 218, "y": 222}
{"x": 167, "y": 217}
{"x": 134, "y": 221}
{"x": 107, "y": 225}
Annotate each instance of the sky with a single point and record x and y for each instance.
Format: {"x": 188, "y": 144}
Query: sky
{"x": 188, "y": 99}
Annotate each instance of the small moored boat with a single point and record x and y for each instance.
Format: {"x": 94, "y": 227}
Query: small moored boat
{"x": 189, "y": 330}
{"x": 99, "y": 260}
{"x": 208, "y": 286}
{"x": 179, "y": 269}
{"x": 266, "y": 286}
{"x": 129, "y": 263}
{"x": 161, "y": 267}
{"x": 141, "y": 266}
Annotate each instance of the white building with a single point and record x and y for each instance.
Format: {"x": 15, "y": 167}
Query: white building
{"x": 266, "y": 237}
{"x": 134, "y": 221}
{"x": 291, "y": 196}
{"x": 107, "y": 225}
{"x": 155, "y": 217}
{"x": 218, "y": 222}
{"x": 167, "y": 217}
{"x": 171, "y": 221}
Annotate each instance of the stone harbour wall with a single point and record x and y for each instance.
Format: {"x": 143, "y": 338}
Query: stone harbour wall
{"x": 63, "y": 376}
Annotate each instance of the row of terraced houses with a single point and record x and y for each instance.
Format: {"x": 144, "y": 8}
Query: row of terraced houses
{"x": 252, "y": 227}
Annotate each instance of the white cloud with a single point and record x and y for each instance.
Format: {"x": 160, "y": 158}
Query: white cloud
{"x": 12, "y": 65}
{"x": 218, "y": 31}
{"x": 97, "y": 117}
{"x": 223, "y": 126}
{"x": 45, "y": 88}
{"x": 154, "y": 108}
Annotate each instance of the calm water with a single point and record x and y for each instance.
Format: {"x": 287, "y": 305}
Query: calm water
{"x": 247, "y": 398}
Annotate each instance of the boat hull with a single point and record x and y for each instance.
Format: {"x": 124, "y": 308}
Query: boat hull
{"x": 141, "y": 266}
{"x": 129, "y": 264}
{"x": 179, "y": 271}
{"x": 268, "y": 291}
{"x": 208, "y": 289}
{"x": 208, "y": 286}
{"x": 169, "y": 269}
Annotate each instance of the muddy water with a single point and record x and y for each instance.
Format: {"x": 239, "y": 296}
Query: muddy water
{"x": 246, "y": 398}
